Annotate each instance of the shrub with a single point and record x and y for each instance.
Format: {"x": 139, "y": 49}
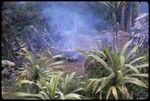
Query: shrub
{"x": 122, "y": 71}
{"x": 56, "y": 88}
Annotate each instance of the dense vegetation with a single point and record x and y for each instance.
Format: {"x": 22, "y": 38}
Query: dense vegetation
{"x": 34, "y": 68}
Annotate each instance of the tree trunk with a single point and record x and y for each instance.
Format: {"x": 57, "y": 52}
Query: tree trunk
{"x": 8, "y": 43}
{"x": 122, "y": 23}
{"x": 129, "y": 18}
{"x": 114, "y": 34}
{"x": 136, "y": 11}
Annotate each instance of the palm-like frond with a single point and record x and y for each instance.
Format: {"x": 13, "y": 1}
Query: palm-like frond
{"x": 125, "y": 48}
{"x": 134, "y": 81}
{"x": 27, "y": 54}
{"x": 124, "y": 91}
{"x": 112, "y": 90}
{"x": 101, "y": 61}
{"x": 131, "y": 52}
{"x": 52, "y": 89}
{"x": 27, "y": 95}
{"x": 137, "y": 59}
{"x": 131, "y": 68}
{"x": 67, "y": 81}
{"x": 121, "y": 68}
{"x": 105, "y": 82}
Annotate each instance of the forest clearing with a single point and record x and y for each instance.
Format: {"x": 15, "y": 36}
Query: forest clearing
{"x": 75, "y": 50}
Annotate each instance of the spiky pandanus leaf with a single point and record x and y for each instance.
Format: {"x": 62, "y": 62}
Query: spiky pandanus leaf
{"x": 98, "y": 81}
{"x": 137, "y": 67}
{"x": 25, "y": 81}
{"x": 139, "y": 75}
{"x": 105, "y": 82}
{"x": 123, "y": 69}
{"x": 132, "y": 68}
{"x": 27, "y": 54}
{"x": 122, "y": 62}
{"x": 125, "y": 48}
{"x": 131, "y": 52}
{"x": 135, "y": 81}
{"x": 72, "y": 96}
{"x": 108, "y": 54}
{"x": 78, "y": 89}
{"x": 67, "y": 82}
{"x": 90, "y": 83}
{"x": 28, "y": 95}
{"x": 52, "y": 86}
{"x": 124, "y": 91}
{"x": 101, "y": 61}
{"x": 108, "y": 93}
{"x": 62, "y": 96}
{"x": 112, "y": 90}
{"x": 143, "y": 65}
{"x": 45, "y": 94}
{"x": 137, "y": 59}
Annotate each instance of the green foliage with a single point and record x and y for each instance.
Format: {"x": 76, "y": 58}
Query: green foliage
{"x": 115, "y": 79}
{"x": 16, "y": 20}
{"x": 47, "y": 89}
{"x": 42, "y": 65}
{"x": 109, "y": 75}
{"x": 49, "y": 83}
{"x": 122, "y": 71}
{"x": 56, "y": 88}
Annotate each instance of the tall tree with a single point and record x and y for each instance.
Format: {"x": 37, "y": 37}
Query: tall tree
{"x": 136, "y": 11}
{"x": 132, "y": 11}
{"x": 129, "y": 17}
{"x": 122, "y": 17}
{"x": 114, "y": 7}
{"x": 16, "y": 17}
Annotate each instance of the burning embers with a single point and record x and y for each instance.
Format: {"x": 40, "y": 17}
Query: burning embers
{"x": 70, "y": 56}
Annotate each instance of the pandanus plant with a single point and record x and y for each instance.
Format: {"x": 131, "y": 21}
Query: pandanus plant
{"x": 38, "y": 65}
{"x": 123, "y": 70}
{"x": 47, "y": 89}
{"x": 55, "y": 88}
{"x": 45, "y": 81}
{"x": 114, "y": 7}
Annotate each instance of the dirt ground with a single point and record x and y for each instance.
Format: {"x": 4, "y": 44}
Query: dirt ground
{"x": 69, "y": 67}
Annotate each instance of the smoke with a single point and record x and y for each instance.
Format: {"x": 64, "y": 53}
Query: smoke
{"x": 74, "y": 21}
